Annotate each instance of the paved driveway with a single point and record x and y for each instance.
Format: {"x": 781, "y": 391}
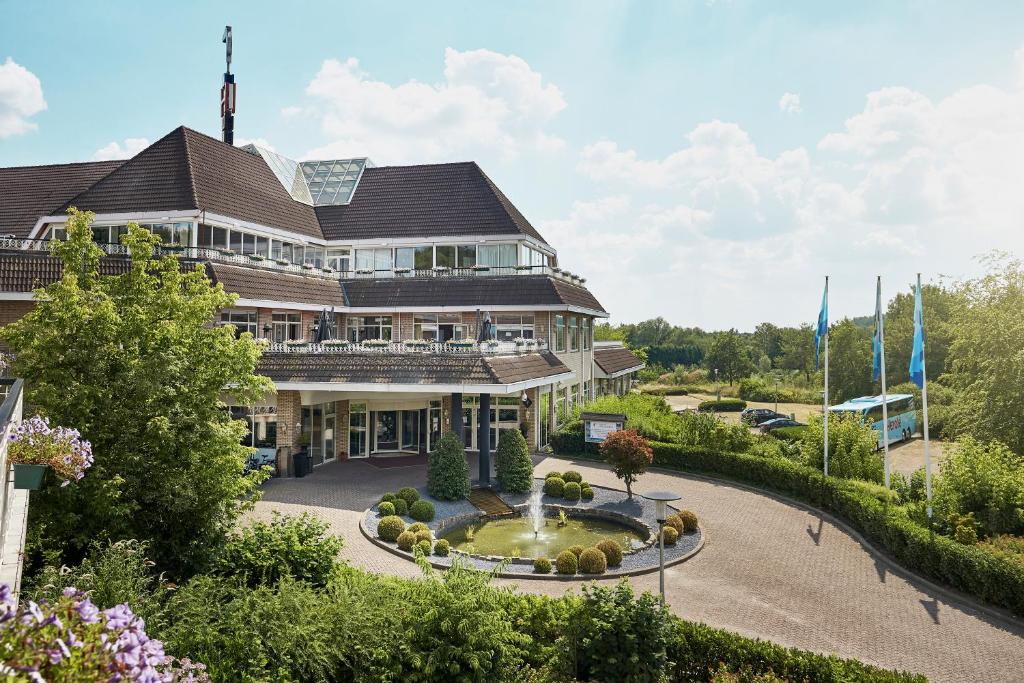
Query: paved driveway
{"x": 768, "y": 569}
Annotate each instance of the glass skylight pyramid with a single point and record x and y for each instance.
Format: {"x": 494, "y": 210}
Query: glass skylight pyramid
{"x": 317, "y": 183}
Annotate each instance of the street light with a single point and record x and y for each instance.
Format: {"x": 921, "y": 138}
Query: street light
{"x": 776, "y": 395}
{"x": 661, "y": 500}
{"x": 718, "y": 386}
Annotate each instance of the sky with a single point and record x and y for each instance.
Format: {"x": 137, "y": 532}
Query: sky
{"x": 707, "y": 162}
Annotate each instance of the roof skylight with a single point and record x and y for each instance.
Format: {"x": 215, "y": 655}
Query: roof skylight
{"x": 317, "y": 183}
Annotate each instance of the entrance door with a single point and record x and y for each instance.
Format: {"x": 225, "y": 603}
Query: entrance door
{"x": 387, "y": 430}
{"x": 329, "y": 452}
{"x": 468, "y": 425}
{"x": 410, "y": 430}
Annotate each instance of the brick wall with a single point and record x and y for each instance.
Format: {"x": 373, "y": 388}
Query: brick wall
{"x": 11, "y": 311}
{"x": 289, "y": 413}
{"x": 341, "y": 429}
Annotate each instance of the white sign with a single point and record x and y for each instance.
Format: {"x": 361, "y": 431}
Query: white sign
{"x": 598, "y": 431}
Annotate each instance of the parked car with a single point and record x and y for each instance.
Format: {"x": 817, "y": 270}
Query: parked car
{"x": 769, "y": 425}
{"x": 756, "y": 416}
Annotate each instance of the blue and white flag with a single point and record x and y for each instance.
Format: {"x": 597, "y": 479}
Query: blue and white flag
{"x": 822, "y": 330}
{"x": 917, "y": 354}
{"x": 878, "y": 338}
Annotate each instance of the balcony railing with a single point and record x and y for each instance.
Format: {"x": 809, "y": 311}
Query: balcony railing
{"x": 468, "y": 348}
{"x": 307, "y": 269}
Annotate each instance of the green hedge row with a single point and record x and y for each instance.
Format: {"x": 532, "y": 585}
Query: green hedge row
{"x": 674, "y": 390}
{"x": 724, "y": 405}
{"x": 789, "y": 434}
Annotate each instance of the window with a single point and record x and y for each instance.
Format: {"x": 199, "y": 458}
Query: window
{"x": 574, "y": 396}
{"x": 559, "y": 333}
{"x": 563, "y": 403}
{"x": 243, "y": 321}
{"x": 444, "y": 256}
{"x": 417, "y": 258}
{"x": 467, "y": 255}
{"x": 339, "y": 259}
{"x": 220, "y": 238}
{"x": 263, "y": 246}
{"x": 298, "y": 253}
{"x": 496, "y": 255}
{"x": 286, "y": 251}
{"x": 585, "y": 333}
{"x": 248, "y": 244}
{"x": 357, "y": 421}
{"x": 58, "y": 232}
{"x": 511, "y": 327}
{"x": 236, "y": 242}
{"x": 363, "y": 327}
{"x": 373, "y": 259}
{"x": 439, "y": 327}
{"x": 586, "y": 391}
{"x": 286, "y": 326}
{"x": 315, "y": 256}
{"x": 574, "y": 334}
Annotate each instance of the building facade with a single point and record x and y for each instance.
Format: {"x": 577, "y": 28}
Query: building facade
{"x": 397, "y": 302}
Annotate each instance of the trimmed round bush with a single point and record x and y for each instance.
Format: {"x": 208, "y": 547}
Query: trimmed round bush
{"x": 442, "y": 547}
{"x": 675, "y": 522}
{"x": 448, "y": 469}
{"x": 386, "y": 509}
{"x": 571, "y": 491}
{"x": 512, "y": 462}
{"x": 612, "y": 552}
{"x": 553, "y": 474}
{"x": 401, "y": 507}
{"x": 576, "y": 550}
{"x": 390, "y": 527}
{"x": 572, "y": 475}
{"x": 422, "y": 510}
{"x": 406, "y": 540}
{"x": 417, "y": 526}
{"x": 566, "y": 562}
{"x": 725, "y": 405}
{"x": 586, "y": 493}
{"x": 424, "y": 547}
{"x": 553, "y": 486}
{"x": 408, "y": 494}
{"x": 670, "y": 535}
{"x": 542, "y": 565}
{"x": 593, "y": 561}
{"x": 388, "y": 498}
{"x": 424, "y": 535}
{"x": 689, "y": 521}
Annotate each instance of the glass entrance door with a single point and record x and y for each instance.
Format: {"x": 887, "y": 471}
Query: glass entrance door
{"x": 387, "y": 430}
{"x": 410, "y": 430}
{"x": 329, "y": 452}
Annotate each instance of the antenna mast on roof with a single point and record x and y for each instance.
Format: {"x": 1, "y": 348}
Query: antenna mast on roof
{"x": 227, "y": 94}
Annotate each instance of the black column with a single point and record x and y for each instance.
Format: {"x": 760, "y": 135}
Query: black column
{"x": 456, "y": 416}
{"x": 484, "y": 418}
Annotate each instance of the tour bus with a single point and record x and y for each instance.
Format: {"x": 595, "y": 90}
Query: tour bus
{"x": 902, "y": 418}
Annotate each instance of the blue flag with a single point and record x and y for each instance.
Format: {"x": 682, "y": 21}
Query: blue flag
{"x": 822, "y": 330}
{"x": 878, "y": 338}
{"x": 917, "y": 354}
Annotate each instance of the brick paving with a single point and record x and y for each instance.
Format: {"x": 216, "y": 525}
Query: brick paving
{"x": 768, "y": 569}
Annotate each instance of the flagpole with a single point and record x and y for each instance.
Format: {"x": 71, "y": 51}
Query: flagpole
{"x": 824, "y": 400}
{"x": 924, "y": 410}
{"x": 885, "y": 403}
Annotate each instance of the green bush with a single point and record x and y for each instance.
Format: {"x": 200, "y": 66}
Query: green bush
{"x": 674, "y": 390}
{"x": 576, "y": 550}
{"x": 569, "y": 438}
{"x": 512, "y": 462}
{"x": 790, "y": 434}
{"x": 388, "y": 498}
{"x": 417, "y": 526}
{"x": 689, "y": 521}
{"x": 852, "y": 448}
{"x": 401, "y": 507}
{"x": 406, "y": 540}
{"x": 390, "y": 527}
{"x": 918, "y": 485}
{"x": 985, "y": 480}
{"x": 554, "y": 486}
{"x": 612, "y": 552}
{"x": 409, "y": 495}
{"x": 442, "y": 547}
{"x": 593, "y": 561}
{"x": 571, "y": 491}
{"x": 424, "y": 546}
{"x": 424, "y": 535}
{"x": 542, "y": 565}
{"x": 725, "y": 405}
{"x": 448, "y": 470}
{"x": 422, "y": 510}
{"x": 567, "y": 562}
{"x": 764, "y": 391}
{"x": 572, "y": 475}
{"x": 549, "y": 475}
{"x": 675, "y": 522}
{"x": 587, "y": 493}
{"x": 386, "y": 509}
{"x": 670, "y": 535}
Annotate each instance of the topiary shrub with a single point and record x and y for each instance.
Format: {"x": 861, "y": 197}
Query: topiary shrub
{"x": 386, "y": 509}
{"x": 388, "y": 498}
{"x": 390, "y": 527}
{"x": 576, "y": 550}
{"x": 542, "y": 565}
{"x": 417, "y": 526}
{"x": 553, "y": 474}
{"x": 406, "y": 540}
{"x": 401, "y": 507}
{"x": 572, "y": 475}
{"x": 670, "y": 535}
{"x": 674, "y": 522}
{"x": 512, "y": 462}
{"x": 689, "y": 520}
{"x": 423, "y": 547}
{"x": 424, "y": 535}
{"x": 612, "y": 552}
{"x": 586, "y": 493}
{"x": 408, "y": 494}
{"x": 566, "y": 562}
{"x": 448, "y": 470}
{"x": 725, "y": 405}
{"x": 423, "y": 510}
{"x": 593, "y": 561}
{"x": 571, "y": 491}
{"x": 442, "y": 547}
{"x": 629, "y": 454}
{"x": 554, "y": 486}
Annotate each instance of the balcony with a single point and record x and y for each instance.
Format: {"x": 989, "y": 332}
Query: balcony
{"x": 380, "y": 347}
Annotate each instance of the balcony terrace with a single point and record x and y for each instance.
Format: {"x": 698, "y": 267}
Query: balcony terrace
{"x": 409, "y": 347}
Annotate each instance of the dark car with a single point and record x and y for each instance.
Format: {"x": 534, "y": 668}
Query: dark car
{"x": 756, "y": 416}
{"x": 779, "y": 422}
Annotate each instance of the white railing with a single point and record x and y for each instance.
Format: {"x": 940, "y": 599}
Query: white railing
{"x": 492, "y": 348}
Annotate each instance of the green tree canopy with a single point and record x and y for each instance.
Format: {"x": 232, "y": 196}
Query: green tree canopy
{"x": 729, "y": 355}
{"x": 797, "y": 349}
{"x": 940, "y": 306}
{"x": 849, "y": 361}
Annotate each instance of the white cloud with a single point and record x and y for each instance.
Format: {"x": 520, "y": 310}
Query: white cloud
{"x": 21, "y": 96}
{"x": 789, "y": 103}
{"x": 116, "y": 150}
{"x": 290, "y": 111}
{"x": 486, "y": 102}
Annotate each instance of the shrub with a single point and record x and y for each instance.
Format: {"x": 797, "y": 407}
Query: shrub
{"x": 965, "y": 534}
{"x": 629, "y": 455}
{"x": 851, "y": 448}
{"x": 386, "y": 509}
{"x": 553, "y": 474}
{"x": 689, "y": 520}
{"x": 572, "y": 475}
{"x": 388, "y": 498}
{"x": 918, "y": 485}
{"x": 401, "y": 507}
{"x": 670, "y": 535}
{"x": 448, "y": 470}
{"x": 423, "y": 546}
{"x": 612, "y": 552}
{"x": 408, "y": 494}
{"x": 675, "y": 522}
{"x": 554, "y": 486}
{"x": 576, "y": 550}
{"x": 985, "y": 480}
{"x": 417, "y": 526}
{"x": 725, "y": 405}
{"x": 298, "y": 547}
{"x": 406, "y": 540}
{"x": 790, "y": 434}
{"x": 571, "y": 491}
{"x": 542, "y": 565}
{"x": 593, "y": 561}
{"x": 390, "y": 527}
{"x": 587, "y": 493}
{"x": 442, "y": 547}
{"x": 424, "y": 535}
{"x": 566, "y": 562}
{"x": 422, "y": 510}
{"x": 512, "y": 462}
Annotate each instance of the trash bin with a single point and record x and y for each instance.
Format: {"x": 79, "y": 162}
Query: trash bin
{"x": 303, "y": 463}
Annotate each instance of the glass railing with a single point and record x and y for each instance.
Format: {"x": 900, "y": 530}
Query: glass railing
{"x": 375, "y": 346}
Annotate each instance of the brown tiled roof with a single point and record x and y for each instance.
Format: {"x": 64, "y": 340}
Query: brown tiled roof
{"x": 29, "y": 192}
{"x": 262, "y": 284}
{"x": 434, "y": 200}
{"x": 408, "y": 368}
{"x": 23, "y": 272}
{"x": 616, "y": 359}
{"x": 512, "y": 290}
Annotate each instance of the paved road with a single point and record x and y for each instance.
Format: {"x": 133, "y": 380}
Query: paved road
{"x": 768, "y": 569}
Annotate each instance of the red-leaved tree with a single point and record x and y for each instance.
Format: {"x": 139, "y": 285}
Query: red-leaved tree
{"x": 629, "y": 455}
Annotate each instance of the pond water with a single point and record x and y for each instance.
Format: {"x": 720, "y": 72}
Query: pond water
{"x": 515, "y": 537}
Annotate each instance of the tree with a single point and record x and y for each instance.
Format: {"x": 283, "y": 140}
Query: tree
{"x": 629, "y": 455}
{"x": 941, "y": 306}
{"x": 729, "y": 355}
{"x": 653, "y": 332}
{"x": 605, "y": 332}
{"x": 849, "y": 348}
{"x": 132, "y": 361}
{"x": 448, "y": 470}
{"x": 797, "y": 349}
{"x": 767, "y": 341}
{"x": 512, "y": 462}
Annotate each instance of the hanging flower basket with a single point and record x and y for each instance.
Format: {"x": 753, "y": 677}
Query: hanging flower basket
{"x": 35, "y": 445}
{"x": 29, "y": 477}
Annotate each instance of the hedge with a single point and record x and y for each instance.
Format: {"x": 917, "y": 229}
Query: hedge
{"x": 789, "y": 434}
{"x": 724, "y": 405}
{"x": 673, "y": 390}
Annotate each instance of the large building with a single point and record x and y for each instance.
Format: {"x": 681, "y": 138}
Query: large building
{"x": 398, "y": 301}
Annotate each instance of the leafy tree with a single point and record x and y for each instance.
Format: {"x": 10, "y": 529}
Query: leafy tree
{"x": 797, "y": 349}
{"x": 512, "y": 462}
{"x": 729, "y": 355}
{"x": 851, "y": 448}
{"x": 985, "y": 480}
{"x": 767, "y": 341}
{"x": 606, "y": 332}
{"x": 941, "y": 306}
{"x": 849, "y": 361}
{"x": 448, "y": 470}
{"x": 629, "y": 455}
{"x": 651, "y": 333}
{"x": 132, "y": 361}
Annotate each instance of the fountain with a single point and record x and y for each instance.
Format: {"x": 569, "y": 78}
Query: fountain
{"x": 536, "y": 512}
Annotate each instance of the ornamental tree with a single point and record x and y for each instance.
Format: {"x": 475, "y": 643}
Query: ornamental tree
{"x": 448, "y": 470}
{"x": 629, "y": 455}
{"x": 512, "y": 462}
{"x": 132, "y": 361}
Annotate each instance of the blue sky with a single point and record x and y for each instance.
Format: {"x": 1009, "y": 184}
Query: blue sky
{"x": 705, "y": 161}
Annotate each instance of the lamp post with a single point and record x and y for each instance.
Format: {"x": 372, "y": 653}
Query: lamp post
{"x": 776, "y": 395}
{"x": 661, "y": 500}
{"x": 718, "y": 386}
